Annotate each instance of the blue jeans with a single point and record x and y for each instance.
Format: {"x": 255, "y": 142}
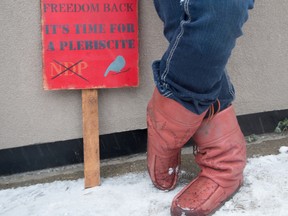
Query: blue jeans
{"x": 201, "y": 36}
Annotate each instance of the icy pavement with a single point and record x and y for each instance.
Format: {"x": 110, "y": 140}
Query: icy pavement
{"x": 264, "y": 193}
{"x": 265, "y": 190}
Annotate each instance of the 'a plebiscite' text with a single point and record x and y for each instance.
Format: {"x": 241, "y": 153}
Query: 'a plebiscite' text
{"x": 92, "y": 45}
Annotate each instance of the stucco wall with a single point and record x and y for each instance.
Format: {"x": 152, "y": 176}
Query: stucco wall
{"x": 259, "y": 66}
{"x": 30, "y": 115}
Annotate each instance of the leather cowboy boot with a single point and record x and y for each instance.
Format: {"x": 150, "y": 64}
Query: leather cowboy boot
{"x": 221, "y": 155}
{"x": 170, "y": 126}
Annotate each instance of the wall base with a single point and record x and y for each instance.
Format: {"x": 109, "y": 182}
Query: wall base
{"x": 49, "y": 155}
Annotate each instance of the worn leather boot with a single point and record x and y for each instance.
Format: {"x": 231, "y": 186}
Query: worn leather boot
{"x": 221, "y": 155}
{"x": 170, "y": 126}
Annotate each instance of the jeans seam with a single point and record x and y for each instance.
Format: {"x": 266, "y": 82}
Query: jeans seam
{"x": 230, "y": 86}
{"x": 175, "y": 45}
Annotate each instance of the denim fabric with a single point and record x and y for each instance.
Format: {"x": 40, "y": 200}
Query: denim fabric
{"x": 201, "y": 36}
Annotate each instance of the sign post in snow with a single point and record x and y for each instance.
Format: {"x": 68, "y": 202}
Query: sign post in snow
{"x": 89, "y": 45}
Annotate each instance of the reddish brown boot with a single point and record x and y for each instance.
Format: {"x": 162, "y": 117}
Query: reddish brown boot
{"x": 222, "y": 157}
{"x": 170, "y": 126}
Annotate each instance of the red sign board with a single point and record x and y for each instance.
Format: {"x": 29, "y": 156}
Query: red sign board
{"x": 89, "y": 43}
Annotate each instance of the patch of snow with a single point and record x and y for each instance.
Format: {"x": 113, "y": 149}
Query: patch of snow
{"x": 264, "y": 193}
{"x": 265, "y": 189}
{"x": 170, "y": 171}
{"x": 283, "y": 149}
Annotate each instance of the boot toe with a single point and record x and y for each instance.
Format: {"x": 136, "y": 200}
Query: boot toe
{"x": 199, "y": 198}
{"x": 164, "y": 171}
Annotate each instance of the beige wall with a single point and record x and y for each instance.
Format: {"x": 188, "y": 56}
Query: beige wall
{"x": 30, "y": 115}
{"x": 259, "y": 66}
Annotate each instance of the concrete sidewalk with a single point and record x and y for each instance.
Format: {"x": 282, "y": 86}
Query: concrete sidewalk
{"x": 261, "y": 145}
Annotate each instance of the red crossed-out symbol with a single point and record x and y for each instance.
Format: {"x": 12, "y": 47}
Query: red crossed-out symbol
{"x": 68, "y": 69}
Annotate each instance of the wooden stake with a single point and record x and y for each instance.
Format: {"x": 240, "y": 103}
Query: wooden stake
{"x": 91, "y": 137}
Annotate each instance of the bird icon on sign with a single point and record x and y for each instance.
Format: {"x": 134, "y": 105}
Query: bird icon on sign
{"x": 116, "y": 66}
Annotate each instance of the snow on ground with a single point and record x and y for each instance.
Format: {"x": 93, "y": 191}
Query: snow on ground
{"x": 264, "y": 193}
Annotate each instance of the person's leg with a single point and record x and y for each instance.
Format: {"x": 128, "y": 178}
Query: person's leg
{"x": 170, "y": 125}
{"x": 192, "y": 74}
{"x": 220, "y": 143}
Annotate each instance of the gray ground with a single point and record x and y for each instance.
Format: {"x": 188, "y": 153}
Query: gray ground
{"x": 262, "y": 145}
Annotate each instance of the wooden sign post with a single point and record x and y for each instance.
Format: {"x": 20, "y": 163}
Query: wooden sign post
{"x": 91, "y": 137}
{"x": 89, "y": 45}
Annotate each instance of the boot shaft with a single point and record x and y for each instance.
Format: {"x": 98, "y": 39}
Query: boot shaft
{"x": 221, "y": 149}
{"x": 173, "y": 123}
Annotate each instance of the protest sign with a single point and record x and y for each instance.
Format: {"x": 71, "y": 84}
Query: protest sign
{"x": 89, "y": 44}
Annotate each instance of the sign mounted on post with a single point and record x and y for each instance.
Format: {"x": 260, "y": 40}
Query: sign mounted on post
{"x": 89, "y": 44}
